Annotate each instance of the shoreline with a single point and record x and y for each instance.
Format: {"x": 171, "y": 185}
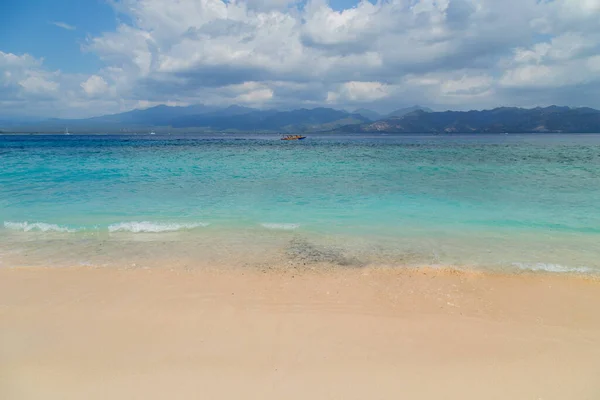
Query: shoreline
{"x": 262, "y": 248}
{"x": 352, "y": 333}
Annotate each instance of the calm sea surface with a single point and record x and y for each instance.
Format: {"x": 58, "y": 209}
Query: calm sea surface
{"x": 509, "y": 202}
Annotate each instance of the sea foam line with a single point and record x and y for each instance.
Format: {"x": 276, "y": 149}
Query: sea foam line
{"x": 557, "y": 268}
{"x": 285, "y": 227}
{"x": 36, "y": 226}
{"x": 153, "y": 227}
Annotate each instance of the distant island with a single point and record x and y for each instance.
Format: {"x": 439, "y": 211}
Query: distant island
{"x": 416, "y": 119}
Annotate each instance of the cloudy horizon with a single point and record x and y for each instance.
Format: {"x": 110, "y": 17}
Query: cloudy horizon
{"x": 444, "y": 54}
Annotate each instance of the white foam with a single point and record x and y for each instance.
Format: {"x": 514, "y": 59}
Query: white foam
{"x": 36, "y": 226}
{"x": 557, "y": 268}
{"x": 153, "y": 227}
{"x": 284, "y": 227}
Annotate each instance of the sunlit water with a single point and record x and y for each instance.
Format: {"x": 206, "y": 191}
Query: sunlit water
{"x": 508, "y": 202}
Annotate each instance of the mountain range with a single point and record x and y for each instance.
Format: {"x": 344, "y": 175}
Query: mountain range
{"x": 551, "y": 119}
{"x": 416, "y": 119}
{"x": 200, "y": 118}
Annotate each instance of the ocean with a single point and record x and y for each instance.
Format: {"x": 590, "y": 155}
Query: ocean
{"x": 505, "y": 203}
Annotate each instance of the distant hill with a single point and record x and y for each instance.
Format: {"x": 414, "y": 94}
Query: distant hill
{"x": 295, "y": 120}
{"x": 372, "y": 115}
{"x": 499, "y": 120}
{"x": 201, "y": 118}
{"x": 165, "y": 115}
{"x": 7, "y": 122}
{"x": 403, "y": 111}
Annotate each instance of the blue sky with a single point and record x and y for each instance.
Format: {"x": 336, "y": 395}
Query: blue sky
{"x": 27, "y": 27}
{"x": 77, "y": 58}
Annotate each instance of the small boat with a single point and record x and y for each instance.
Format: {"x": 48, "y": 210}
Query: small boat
{"x": 67, "y": 131}
{"x": 293, "y": 137}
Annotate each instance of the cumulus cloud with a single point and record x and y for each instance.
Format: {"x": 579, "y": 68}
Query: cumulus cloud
{"x": 94, "y": 85}
{"x": 38, "y": 84}
{"x": 23, "y": 76}
{"x": 285, "y": 53}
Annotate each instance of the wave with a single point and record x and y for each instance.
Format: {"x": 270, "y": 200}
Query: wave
{"x": 153, "y": 227}
{"x": 37, "y": 226}
{"x": 285, "y": 227}
{"x": 556, "y": 268}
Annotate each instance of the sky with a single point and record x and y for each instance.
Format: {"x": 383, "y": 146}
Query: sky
{"x": 80, "y": 58}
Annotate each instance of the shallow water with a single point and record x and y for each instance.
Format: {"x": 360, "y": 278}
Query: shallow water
{"x": 500, "y": 201}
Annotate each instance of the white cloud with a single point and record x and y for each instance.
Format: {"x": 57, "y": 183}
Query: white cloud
{"x": 189, "y": 49}
{"x": 23, "y": 75}
{"x": 94, "y": 85}
{"x": 10, "y": 60}
{"x": 394, "y": 53}
{"x": 143, "y": 104}
{"x": 64, "y": 25}
{"x": 358, "y": 92}
{"x": 35, "y": 83}
{"x": 565, "y": 60}
{"x": 255, "y": 97}
{"x": 325, "y": 26}
{"x": 467, "y": 86}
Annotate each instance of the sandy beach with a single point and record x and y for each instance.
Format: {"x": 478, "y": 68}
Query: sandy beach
{"x": 84, "y": 333}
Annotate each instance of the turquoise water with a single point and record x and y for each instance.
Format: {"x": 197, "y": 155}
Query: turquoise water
{"x": 502, "y": 201}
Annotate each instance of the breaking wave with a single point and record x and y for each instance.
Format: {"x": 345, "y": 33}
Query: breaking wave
{"x": 556, "y": 268}
{"x": 37, "y": 226}
{"x": 153, "y": 227}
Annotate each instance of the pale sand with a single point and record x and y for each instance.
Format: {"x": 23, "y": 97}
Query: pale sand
{"x": 78, "y": 333}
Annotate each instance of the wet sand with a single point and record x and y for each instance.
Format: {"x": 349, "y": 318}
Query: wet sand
{"x": 85, "y": 333}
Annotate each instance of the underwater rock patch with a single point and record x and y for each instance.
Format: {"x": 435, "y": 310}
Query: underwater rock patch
{"x": 300, "y": 250}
